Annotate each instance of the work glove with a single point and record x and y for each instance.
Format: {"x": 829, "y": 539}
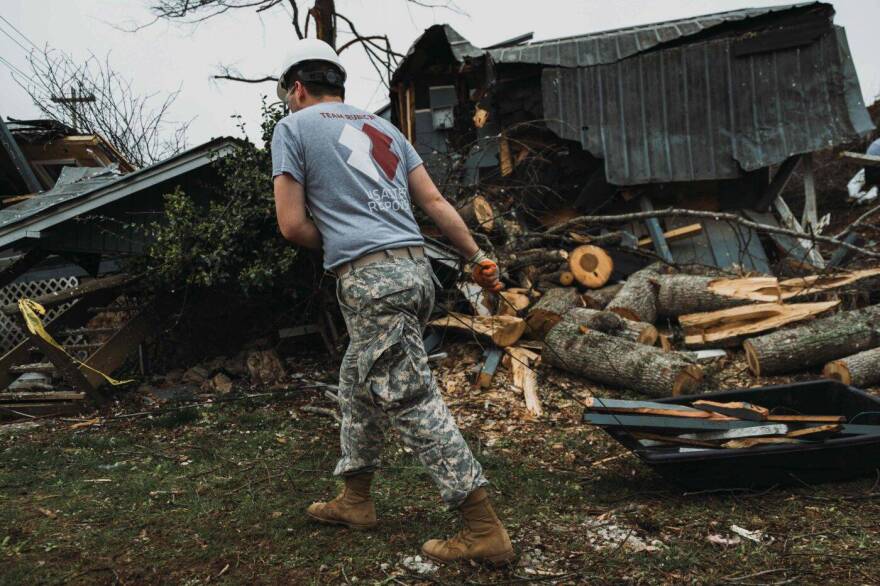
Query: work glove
{"x": 485, "y": 272}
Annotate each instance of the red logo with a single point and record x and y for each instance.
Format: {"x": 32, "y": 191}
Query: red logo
{"x": 381, "y": 150}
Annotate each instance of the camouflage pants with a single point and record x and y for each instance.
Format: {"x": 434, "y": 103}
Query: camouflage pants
{"x": 385, "y": 378}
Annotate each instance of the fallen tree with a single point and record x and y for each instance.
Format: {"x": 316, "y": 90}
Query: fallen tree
{"x": 618, "y": 362}
{"x": 817, "y": 342}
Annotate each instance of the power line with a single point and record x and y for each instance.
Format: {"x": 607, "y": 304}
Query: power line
{"x": 21, "y": 34}
{"x": 14, "y": 40}
{"x": 16, "y": 70}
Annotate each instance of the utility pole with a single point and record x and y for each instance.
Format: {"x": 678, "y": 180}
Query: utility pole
{"x": 73, "y": 100}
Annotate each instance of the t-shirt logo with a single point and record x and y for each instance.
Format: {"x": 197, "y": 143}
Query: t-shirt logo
{"x": 369, "y": 147}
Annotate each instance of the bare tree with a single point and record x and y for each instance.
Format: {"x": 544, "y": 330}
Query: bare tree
{"x": 323, "y": 14}
{"x": 92, "y": 97}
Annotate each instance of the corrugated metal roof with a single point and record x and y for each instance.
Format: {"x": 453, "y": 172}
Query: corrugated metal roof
{"x": 92, "y": 178}
{"x": 611, "y": 46}
{"x": 699, "y": 112}
{"x": 103, "y": 185}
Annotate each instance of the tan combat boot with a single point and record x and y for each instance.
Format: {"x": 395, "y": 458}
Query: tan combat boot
{"x": 353, "y": 507}
{"x": 482, "y": 539}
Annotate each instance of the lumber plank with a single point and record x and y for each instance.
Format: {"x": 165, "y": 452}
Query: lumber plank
{"x": 738, "y": 409}
{"x": 861, "y": 158}
{"x": 492, "y": 356}
{"x": 673, "y": 440}
{"x": 656, "y": 232}
{"x": 752, "y": 442}
{"x": 806, "y": 418}
{"x": 685, "y": 424}
{"x": 525, "y": 377}
{"x": 675, "y": 234}
{"x": 816, "y": 432}
{"x": 778, "y": 183}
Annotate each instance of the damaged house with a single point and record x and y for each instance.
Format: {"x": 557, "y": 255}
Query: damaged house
{"x": 707, "y": 113}
{"x": 72, "y": 204}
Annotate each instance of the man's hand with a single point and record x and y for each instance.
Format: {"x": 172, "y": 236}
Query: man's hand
{"x": 485, "y": 275}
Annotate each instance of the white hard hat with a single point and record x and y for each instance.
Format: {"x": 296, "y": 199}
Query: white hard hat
{"x": 307, "y": 50}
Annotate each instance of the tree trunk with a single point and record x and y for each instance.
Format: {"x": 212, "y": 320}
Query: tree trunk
{"x": 599, "y": 298}
{"x": 858, "y": 370}
{"x": 613, "y": 325}
{"x": 618, "y": 362}
{"x": 817, "y": 342}
{"x": 681, "y": 294}
{"x": 637, "y": 299}
{"x": 590, "y": 265}
{"x": 550, "y": 309}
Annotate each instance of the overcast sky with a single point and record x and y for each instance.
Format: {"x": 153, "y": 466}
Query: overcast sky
{"x": 166, "y": 56}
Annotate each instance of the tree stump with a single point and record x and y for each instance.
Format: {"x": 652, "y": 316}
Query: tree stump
{"x": 817, "y": 342}
{"x": 858, "y": 370}
{"x": 619, "y": 362}
{"x": 550, "y": 309}
{"x": 613, "y": 325}
{"x": 590, "y": 265}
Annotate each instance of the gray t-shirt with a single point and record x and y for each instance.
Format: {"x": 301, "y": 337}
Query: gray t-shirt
{"x": 354, "y": 167}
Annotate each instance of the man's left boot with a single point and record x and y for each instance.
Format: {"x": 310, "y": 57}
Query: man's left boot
{"x": 353, "y": 507}
{"x": 482, "y": 539}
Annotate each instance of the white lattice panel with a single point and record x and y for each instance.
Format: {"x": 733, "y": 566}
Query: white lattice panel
{"x": 10, "y": 333}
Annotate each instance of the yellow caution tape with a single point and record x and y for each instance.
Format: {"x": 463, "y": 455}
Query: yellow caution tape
{"x": 32, "y": 311}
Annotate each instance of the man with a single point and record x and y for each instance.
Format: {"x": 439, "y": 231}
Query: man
{"x": 357, "y": 174}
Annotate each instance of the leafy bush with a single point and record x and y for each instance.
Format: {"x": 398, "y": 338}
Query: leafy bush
{"x": 229, "y": 240}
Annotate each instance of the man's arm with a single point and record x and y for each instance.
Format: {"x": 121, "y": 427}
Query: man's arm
{"x": 426, "y": 195}
{"x": 290, "y": 208}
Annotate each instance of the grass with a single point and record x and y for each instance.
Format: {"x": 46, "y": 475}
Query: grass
{"x": 215, "y": 495}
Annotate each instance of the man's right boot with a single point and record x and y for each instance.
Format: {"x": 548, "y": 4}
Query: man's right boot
{"x": 353, "y": 507}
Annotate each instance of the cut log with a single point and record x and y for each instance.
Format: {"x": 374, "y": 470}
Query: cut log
{"x": 564, "y": 278}
{"x": 727, "y": 325}
{"x": 550, "y": 309}
{"x": 599, "y": 298}
{"x": 614, "y": 325}
{"x": 525, "y": 377}
{"x": 817, "y": 342}
{"x": 859, "y": 370}
{"x": 535, "y": 258}
{"x": 503, "y": 330}
{"x": 590, "y": 265}
{"x": 682, "y": 294}
{"x": 512, "y": 302}
{"x": 618, "y": 362}
{"x": 478, "y": 213}
{"x": 637, "y": 299}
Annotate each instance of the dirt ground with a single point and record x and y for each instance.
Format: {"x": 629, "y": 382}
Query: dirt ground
{"x": 214, "y": 493}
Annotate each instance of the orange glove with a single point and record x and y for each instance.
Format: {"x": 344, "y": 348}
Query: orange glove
{"x": 485, "y": 275}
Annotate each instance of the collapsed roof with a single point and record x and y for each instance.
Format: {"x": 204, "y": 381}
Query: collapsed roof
{"x": 703, "y": 98}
